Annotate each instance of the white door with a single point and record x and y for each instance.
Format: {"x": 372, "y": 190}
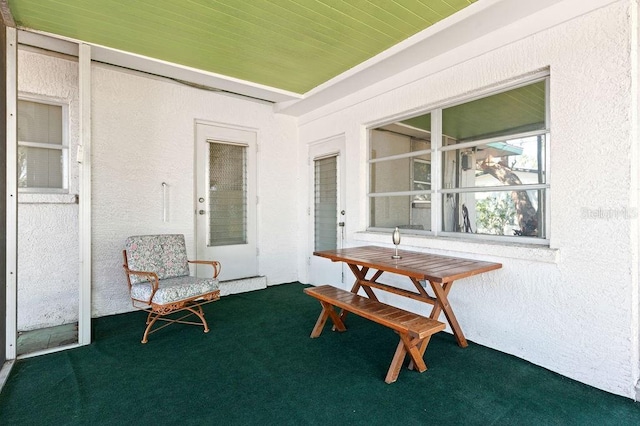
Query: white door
{"x": 326, "y": 210}
{"x": 226, "y": 226}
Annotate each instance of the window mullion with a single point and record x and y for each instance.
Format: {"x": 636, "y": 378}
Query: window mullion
{"x": 471, "y": 144}
{"x": 40, "y": 145}
{"x": 400, "y": 156}
{"x": 497, "y": 188}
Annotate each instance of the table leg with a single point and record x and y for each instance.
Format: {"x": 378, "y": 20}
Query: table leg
{"x": 442, "y": 304}
{"x": 360, "y": 274}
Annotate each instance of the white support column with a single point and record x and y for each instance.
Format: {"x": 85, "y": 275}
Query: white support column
{"x": 84, "y": 219}
{"x": 11, "y": 144}
{"x": 436, "y": 171}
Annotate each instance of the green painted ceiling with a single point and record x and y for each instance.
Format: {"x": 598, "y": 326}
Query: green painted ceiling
{"x": 293, "y": 45}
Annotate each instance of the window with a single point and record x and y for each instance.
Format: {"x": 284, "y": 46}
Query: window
{"x": 400, "y": 175}
{"x": 42, "y": 147}
{"x": 491, "y": 158}
{"x": 325, "y": 203}
{"x": 227, "y": 194}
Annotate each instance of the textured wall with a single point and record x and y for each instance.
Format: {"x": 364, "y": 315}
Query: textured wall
{"x": 572, "y": 307}
{"x": 143, "y": 135}
{"x": 48, "y": 223}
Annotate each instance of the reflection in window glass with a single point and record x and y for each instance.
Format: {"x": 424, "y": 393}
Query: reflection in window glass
{"x": 508, "y": 213}
{"x": 510, "y": 162}
{"x": 388, "y": 176}
{"x": 422, "y": 181}
{"x": 492, "y": 177}
{"x": 400, "y": 175}
{"x": 515, "y": 111}
{"x": 400, "y": 211}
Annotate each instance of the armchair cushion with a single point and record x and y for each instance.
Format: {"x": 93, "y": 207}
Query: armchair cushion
{"x": 166, "y": 255}
{"x": 171, "y": 290}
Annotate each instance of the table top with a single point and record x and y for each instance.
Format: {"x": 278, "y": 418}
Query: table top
{"x": 421, "y": 266}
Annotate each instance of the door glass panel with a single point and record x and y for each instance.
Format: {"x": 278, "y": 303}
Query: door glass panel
{"x": 227, "y": 194}
{"x": 326, "y": 203}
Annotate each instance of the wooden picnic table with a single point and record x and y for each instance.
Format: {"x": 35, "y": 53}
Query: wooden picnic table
{"x": 421, "y": 268}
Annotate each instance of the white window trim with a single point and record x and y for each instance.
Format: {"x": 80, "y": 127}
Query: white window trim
{"x": 436, "y": 164}
{"x": 64, "y": 147}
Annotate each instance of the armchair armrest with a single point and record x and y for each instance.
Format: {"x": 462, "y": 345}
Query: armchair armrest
{"x": 152, "y": 277}
{"x": 214, "y": 264}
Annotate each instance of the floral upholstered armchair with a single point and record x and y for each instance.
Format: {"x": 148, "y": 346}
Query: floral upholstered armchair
{"x": 157, "y": 272}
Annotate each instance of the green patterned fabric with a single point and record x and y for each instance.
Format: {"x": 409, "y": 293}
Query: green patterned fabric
{"x": 166, "y": 255}
{"x": 174, "y": 289}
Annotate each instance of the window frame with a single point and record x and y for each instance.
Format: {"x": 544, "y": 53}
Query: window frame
{"x": 63, "y": 147}
{"x": 437, "y": 193}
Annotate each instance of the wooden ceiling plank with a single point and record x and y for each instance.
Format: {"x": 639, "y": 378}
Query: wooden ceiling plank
{"x": 292, "y": 45}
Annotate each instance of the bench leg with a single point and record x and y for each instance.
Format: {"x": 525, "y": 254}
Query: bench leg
{"x": 396, "y": 363}
{"x": 327, "y": 311}
{"x": 412, "y": 346}
{"x": 422, "y": 347}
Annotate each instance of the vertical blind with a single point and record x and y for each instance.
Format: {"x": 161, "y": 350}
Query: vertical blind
{"x": 326, "y": 203}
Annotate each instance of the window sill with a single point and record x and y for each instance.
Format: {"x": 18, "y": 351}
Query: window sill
{"x": 43, "y": 198}
{"x": 458, "y": 246}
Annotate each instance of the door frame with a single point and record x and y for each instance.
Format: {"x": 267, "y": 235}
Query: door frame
{"x": 9, "y": 250}
{"x": 323, "y": 148}
{"x": 251, "y": 204}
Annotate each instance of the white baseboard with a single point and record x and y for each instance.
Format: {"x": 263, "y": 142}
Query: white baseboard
{"x": 242, "y": 285}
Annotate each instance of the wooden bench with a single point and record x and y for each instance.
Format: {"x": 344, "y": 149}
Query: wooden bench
{"x": 414, "y": 329}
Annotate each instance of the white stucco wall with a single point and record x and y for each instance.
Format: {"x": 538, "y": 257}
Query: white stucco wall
{"x": 48, "y": 223}
{"x": 571, "y": 307}
{"x": 143, "y": 135}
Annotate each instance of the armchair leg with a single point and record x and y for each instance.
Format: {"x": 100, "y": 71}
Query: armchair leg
{"x": 200, "y": 315}
{"x": 155, "y": 316}
{"x": 149, "y": 325}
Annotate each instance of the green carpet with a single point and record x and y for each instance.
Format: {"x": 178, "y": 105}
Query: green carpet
{"x": 258, "y": 365}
